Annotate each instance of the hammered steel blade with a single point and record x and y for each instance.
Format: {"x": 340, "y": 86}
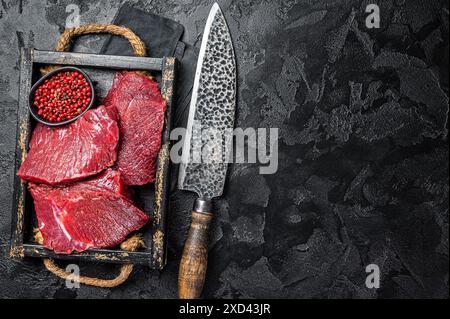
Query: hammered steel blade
{"x": 211, "y": 111}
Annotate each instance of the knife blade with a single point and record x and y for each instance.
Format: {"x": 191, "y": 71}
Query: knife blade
{"x": 206, "y": 144}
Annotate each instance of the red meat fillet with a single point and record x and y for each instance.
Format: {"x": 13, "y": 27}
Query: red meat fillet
{"x": 110, "y": 180}
{"x": 89, "y": 214}
{"x": 140, "y": 109}
{"x": 72, "y": 152}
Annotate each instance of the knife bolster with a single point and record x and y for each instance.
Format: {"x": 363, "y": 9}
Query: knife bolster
{"x": 202, "y": 205}
{"x": 194, "y": 260}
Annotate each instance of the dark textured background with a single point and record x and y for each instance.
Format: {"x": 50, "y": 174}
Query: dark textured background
{"x": 363, "y": 172}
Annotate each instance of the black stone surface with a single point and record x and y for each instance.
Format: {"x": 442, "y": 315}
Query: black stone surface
{"x": 363, "y": 151}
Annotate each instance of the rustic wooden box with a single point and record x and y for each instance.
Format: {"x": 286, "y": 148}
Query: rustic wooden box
{"x": 154, "y": 197}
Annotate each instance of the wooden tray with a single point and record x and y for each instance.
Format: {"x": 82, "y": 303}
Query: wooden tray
{"x": 152, "y": 197}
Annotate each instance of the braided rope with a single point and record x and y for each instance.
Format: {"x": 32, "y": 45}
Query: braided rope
{"x": 131, "y": 244}
{"x": 69, "y": 34}
{"x": 125, "y": 271}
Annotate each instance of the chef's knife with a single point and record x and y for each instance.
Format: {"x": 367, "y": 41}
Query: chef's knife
{"x": 210, "y": 122}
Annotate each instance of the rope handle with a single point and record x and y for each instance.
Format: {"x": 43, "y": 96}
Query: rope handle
{"x": 131, "y": 244}
{"x": 134, "y": 242}
{"x": 125, "y": 272}
{"x": 68, "y": 36}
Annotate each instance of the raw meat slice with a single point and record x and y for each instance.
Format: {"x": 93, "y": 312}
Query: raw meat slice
{"x": 110, "y": 180}
{"x": 112, "y": 112}
{"x": 140, "y": 109}
{"x": 72, "y": 152}
{"x": 75, "y": 219}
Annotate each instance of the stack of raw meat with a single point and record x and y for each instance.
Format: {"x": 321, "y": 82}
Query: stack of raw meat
{"x": 79, "y": 174}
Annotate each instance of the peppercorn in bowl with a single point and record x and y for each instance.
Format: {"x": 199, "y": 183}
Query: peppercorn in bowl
{"x": 61, "y": 96}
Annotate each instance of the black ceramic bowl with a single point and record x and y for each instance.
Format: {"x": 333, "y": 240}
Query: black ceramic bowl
{"x": 33, "y": 109}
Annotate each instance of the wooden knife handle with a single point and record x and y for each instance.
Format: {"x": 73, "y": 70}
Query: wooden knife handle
{"x": 194, "y": 261}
